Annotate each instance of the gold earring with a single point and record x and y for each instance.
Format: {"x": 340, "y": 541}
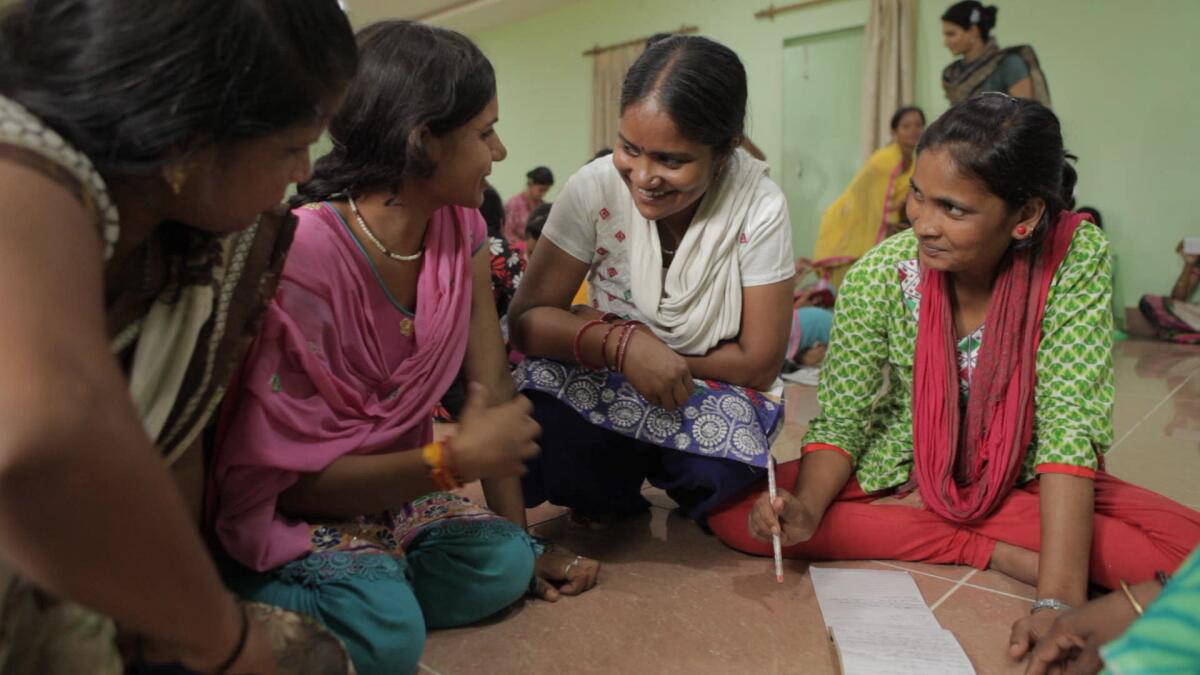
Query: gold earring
{"x": 176, "y": 176}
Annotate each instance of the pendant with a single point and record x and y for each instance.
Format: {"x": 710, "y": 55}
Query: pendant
{"x": 407, "y": 327}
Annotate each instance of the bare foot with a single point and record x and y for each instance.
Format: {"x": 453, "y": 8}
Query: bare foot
{"x": 1018, "y": 563}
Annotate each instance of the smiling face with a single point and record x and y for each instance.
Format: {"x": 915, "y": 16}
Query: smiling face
{"x": 666, "y": 173}
{"x": 959, "y": 224}
{"x": 464, "y": 159}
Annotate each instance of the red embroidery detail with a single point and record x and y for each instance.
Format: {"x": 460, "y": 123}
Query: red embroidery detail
{"x": 611, "y": 297}
{"x": 612, "y": 272}
{"x": 620, "y": 235}
{"x": 742, "y": 239}
{"x": 601, "y": 251}
{"x": 604, "y": 214}
{"x": 596, "y": 304}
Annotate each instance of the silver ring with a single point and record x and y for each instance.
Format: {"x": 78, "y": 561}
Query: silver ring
{"x": 573, "y": 563}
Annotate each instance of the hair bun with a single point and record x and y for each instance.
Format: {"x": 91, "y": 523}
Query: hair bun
{"x": 987, "y": 17}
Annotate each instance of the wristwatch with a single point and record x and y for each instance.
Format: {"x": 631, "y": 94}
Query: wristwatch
{"x": 1048, "y": 603}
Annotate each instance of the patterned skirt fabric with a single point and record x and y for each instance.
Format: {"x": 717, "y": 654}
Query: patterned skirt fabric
{"x": 719, "y": 420}
{"x": 394, "y": 531}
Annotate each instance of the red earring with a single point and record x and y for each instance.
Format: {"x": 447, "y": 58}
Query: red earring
{"x": 1021, "y": 230}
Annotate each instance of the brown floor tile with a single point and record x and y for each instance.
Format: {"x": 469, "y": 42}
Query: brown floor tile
{"x": 1155, "y": 369}
{"x": 671, "y": 600}
{"x": 801, "y": 403}
{"x": 996, "y": 581}
{"x": 787, "y": 445}
{"x": 1163, "y": 453}
{"x": 1129, "y": 411}
{"x": 946, "y": 572}
{"x": 982, "y": 622}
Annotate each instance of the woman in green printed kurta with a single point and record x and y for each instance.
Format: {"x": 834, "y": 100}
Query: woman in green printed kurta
{"x": 968, "y": 390}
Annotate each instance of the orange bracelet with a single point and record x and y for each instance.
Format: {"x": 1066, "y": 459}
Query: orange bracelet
{"x": 435, "y": 455}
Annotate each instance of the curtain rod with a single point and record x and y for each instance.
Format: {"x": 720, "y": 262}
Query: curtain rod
{"x": 770, "y": 12}
{"x": 600, "y": 50}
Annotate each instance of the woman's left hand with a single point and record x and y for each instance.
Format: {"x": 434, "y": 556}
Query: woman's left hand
{"x": 1028, "y": 630}
{"x": 1072, "y": 644}
{"x": 560, "y": 572}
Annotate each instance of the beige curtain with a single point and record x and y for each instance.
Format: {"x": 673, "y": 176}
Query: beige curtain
{"x": 888, "y": 81}
{"x": 608, "y": 72}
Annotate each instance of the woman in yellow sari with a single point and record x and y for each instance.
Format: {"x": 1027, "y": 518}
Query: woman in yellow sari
{"x": 869, "y": 210}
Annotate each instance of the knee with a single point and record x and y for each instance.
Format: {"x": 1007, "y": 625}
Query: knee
{"x": 386, "y": 654}
{"x": 490, "y": 578}
{"x": 729, "y": 524}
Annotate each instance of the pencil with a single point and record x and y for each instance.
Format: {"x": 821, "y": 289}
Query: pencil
{"x": 775, "y": 544}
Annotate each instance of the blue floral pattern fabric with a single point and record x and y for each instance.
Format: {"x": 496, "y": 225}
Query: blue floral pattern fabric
{"x": 719, "y": 420}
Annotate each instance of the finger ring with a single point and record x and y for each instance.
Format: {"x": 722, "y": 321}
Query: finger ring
{"x": 573, "y": 563}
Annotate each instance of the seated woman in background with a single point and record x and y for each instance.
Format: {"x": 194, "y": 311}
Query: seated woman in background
{"x": 671, "y": 373}
{"x": 330, "y": 494}
{"x": 516, "y": 211}
{"x": 1174, "y": 317}
{"x": 984, "y": 66}
{"x": 144, "y": 151}
{"x": 507, "y": 262}
{"x": 983, "y": 444}
{"x": 869, "y": 210}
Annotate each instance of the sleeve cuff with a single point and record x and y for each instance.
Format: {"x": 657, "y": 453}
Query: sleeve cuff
{"x": 813, "y": 447}
{"x": 1069, "y": 469}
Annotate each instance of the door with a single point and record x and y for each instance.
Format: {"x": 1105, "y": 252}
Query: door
{"x": 822, "y": 126}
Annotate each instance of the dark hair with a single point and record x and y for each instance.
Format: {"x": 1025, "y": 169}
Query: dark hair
{"x": 134, "y": 84}
{"x": 1013, "y": 146}
{"x": 540, "y": 176}
{"x": 412, "y": 77}
{"x": 1094, "y": 215}
{"x": 700, "y": 83}
{"x": 537, "y": 220}
{"x": 898, "y": 116}
{"x": 492, "y": 210}
{"x": 602, "y": 152}
{"x": 972, "y": 13}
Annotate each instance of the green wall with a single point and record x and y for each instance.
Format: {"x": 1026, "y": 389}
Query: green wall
{"x": 1118, "y": 72}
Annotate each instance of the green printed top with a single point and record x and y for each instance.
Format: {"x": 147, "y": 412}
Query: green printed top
{"x": 866, "y": 381}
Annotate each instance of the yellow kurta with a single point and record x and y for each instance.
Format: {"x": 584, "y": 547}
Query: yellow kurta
{"x": 856, "y": 221}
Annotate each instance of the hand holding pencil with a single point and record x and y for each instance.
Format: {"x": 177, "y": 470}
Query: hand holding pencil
{"x": 782, "y": 514}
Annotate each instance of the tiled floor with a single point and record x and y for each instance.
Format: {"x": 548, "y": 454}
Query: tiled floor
{"x": 674, "y": 600}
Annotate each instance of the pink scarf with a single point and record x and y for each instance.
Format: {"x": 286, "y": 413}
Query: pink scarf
{"x": 324, "y": 378}
{"x": 964, "y": 473}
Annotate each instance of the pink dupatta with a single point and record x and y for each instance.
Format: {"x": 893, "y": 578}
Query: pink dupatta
{"x": 328, "y": 376}
{"x": 964, "y": 473}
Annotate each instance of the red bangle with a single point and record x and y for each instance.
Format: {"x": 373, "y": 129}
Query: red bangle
{"x": 576, "y": 347}
{"x": 604, "y": 343}
{"x": 629, "y": 329}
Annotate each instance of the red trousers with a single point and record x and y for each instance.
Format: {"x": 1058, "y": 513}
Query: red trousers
{"x": 1136, "y": 532}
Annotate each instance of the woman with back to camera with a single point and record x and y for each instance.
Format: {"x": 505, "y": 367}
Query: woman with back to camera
{"x": 143, "y": 148}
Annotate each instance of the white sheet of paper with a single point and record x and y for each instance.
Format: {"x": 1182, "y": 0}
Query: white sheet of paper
{"x": 901, "y": 652}
{"x": 882, "y": 624}
{"x": 870, "y": 599}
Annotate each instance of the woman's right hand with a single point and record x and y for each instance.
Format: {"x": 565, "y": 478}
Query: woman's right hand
{"x": 256, "y": 657}
{"x": 785, "y": 515}
{"x": 657, "y": 372}
{"x": 493, "y": 442}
